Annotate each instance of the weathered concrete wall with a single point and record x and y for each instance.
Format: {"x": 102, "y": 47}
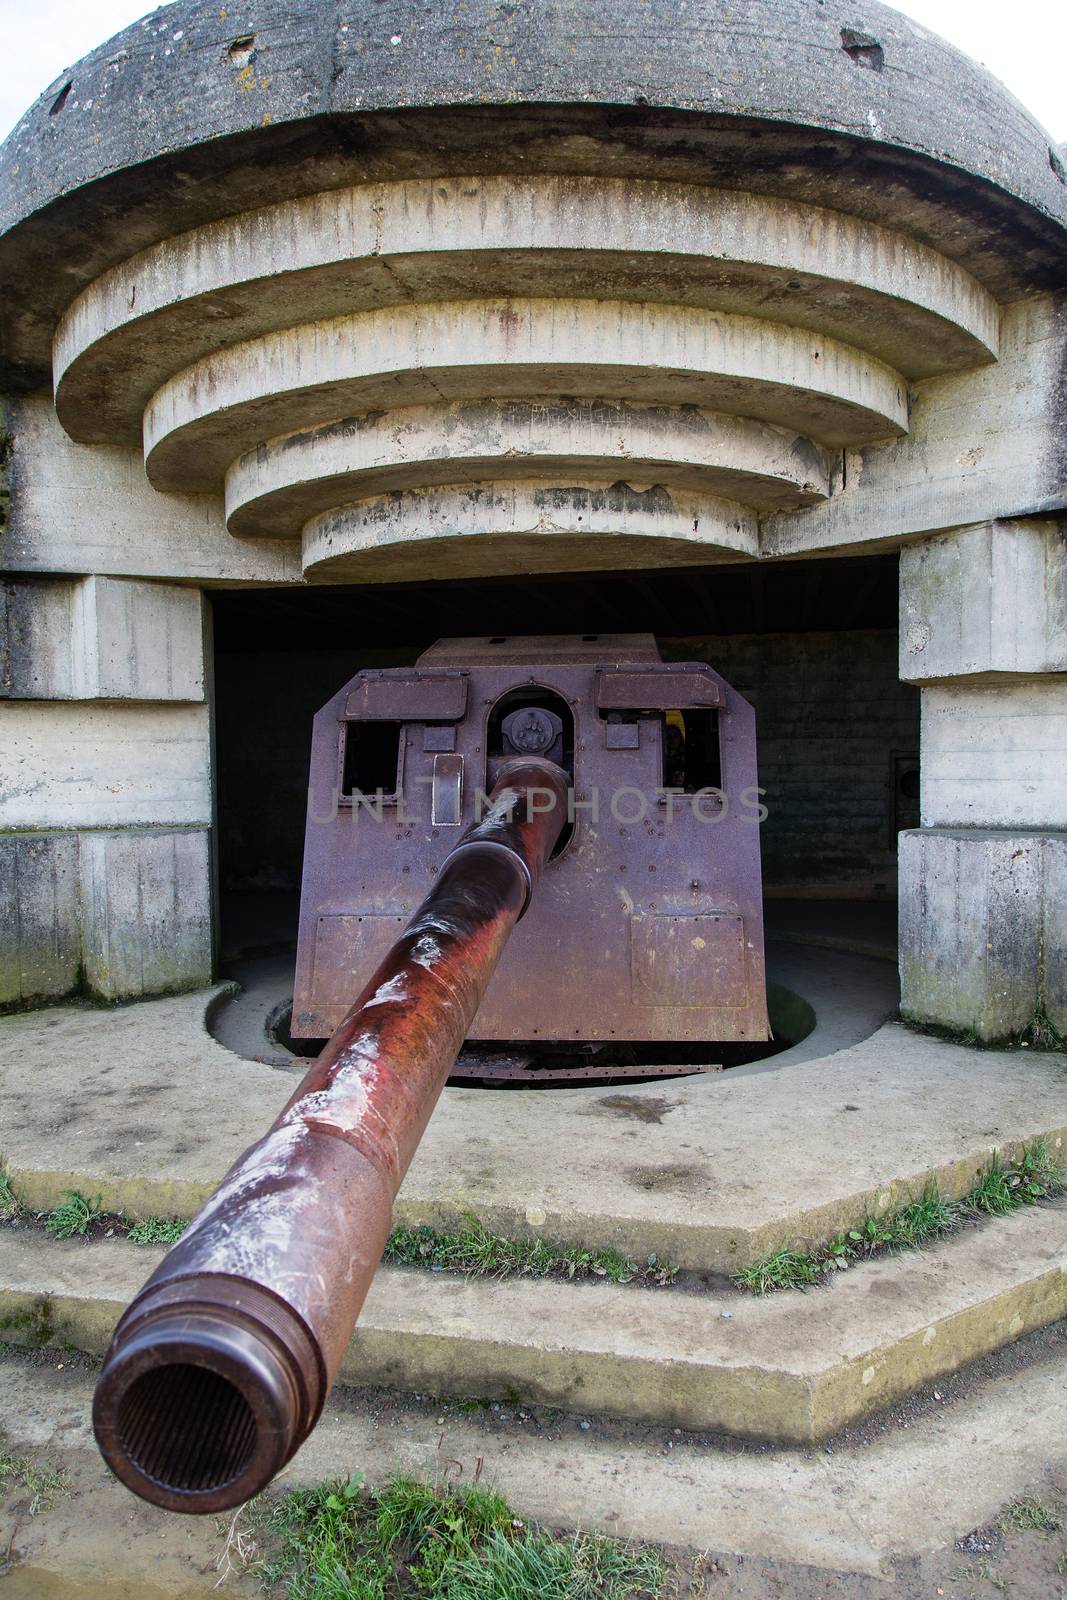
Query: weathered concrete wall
{"x": 985, "y": 601}
{"x": 982, "y": 444}
{"x": 146, "y": 907}
{"x": 82, "y": 510}
{"x": 105, "y": 789}
{"x": 116, "y": 914}
{"x": 91, "y": 764}
{"x": 995, "y": 755}
{"x": 100, "y": 639}
{"x": 982, "y": 941}
{"x": 983, "y": 947}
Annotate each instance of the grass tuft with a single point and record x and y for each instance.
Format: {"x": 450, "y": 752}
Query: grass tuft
{"x": 339, "y": 1541}
{"x": 785, "y": 1269}
{"x": 1041, "y": 1033}
{"x": 157, "y": 1230}
{"x": 43, "y": 1482}
{"x": 1028, "y": 1515}
{"x": 10, "y": 1205}
{"x": 1001, "y": 1189}
{"x": 1035, "y": 1176}
{"x": 476, "y": 1252}
{"x": 72, "y": 1216}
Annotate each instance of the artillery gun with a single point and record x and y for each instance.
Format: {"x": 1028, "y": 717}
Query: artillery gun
{"x": 604, "y": 798}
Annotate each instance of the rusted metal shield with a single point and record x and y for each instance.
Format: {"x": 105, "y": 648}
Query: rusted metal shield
{"x": 656, "y": 889}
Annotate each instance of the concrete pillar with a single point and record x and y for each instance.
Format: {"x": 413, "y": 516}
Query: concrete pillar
{"x": 105, "y": 792}
{"x": 983, "y": 926}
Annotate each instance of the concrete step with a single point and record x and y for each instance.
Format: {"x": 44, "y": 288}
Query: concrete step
{"x": 710, "y": 1172}
{"x": 790, "y": 1368}
{"x": 850, "y": 1517}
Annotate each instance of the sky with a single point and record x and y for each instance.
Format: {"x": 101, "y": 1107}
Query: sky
{"x": 1024, "y": 42}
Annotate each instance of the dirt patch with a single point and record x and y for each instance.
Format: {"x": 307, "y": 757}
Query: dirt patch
{"x": 635, "y": 1106}
{"x": 678, "y": 1179}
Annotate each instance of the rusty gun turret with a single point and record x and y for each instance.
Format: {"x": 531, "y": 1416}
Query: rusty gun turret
{"x": 219, "y": 1368}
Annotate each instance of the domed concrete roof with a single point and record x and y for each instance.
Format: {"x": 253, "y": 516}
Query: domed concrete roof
{"x": 200, "y": 110}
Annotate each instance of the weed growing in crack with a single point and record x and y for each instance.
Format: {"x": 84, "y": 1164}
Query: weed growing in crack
{"x": 476, "y": 1252}
{"x": 157, "y": 1230}
{"x": 72, "y": 1216}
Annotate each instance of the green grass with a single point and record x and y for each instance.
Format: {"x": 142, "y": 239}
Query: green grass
{"x": 1028, "y": 1515}
{"x": 42, "y": 1482}
{"x": 410, "y": 1540}
{"x": 476, "y": 1252}
{"x": 785, "y": 1269}
{"x": 72, "y": 1216}
{"x": 157, "y": 1230}
{"x": 473, "y": 1251}
{"x": 1001, "y": 1189}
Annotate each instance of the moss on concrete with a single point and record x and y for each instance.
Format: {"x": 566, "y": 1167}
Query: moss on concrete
{"x": 33, "y": 1324}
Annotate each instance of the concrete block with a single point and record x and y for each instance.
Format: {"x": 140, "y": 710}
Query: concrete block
{"x": 137, "y": 641}
{"x": 71, "y": 765}
{"x": 40, "y": 936}
{"x": 36, "y": 661}
{"x": 982, "y": 946}
{"x": 124, "y": 914}
{"x": 995, "y": 755}
{"x": 986, "y": 600}
{"x": 146, "y": 912}
{"x": 100, "y": 639}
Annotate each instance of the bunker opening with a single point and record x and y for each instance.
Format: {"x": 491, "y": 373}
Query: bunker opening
{"x": 651, "y": 962}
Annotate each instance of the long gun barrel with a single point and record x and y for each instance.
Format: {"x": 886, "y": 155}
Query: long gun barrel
{"x": 219, "y": 1368}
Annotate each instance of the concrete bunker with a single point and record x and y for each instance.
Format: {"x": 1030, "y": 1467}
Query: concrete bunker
{"x": 470, "y": 323}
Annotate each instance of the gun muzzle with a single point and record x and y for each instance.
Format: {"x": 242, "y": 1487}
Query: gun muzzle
{"x": 219, "y": 1368}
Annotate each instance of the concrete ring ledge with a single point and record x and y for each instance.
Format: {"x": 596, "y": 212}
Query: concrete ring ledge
{"x": 171, "y": 124}
{"x": 275, "y": 489}
{"x": 205, "y": 417}
{"x": 430, "y": 239}
{"x": 792, "y": 1369}
{"x": 499, "y": 528}
{"x": 709, "y": 1172}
